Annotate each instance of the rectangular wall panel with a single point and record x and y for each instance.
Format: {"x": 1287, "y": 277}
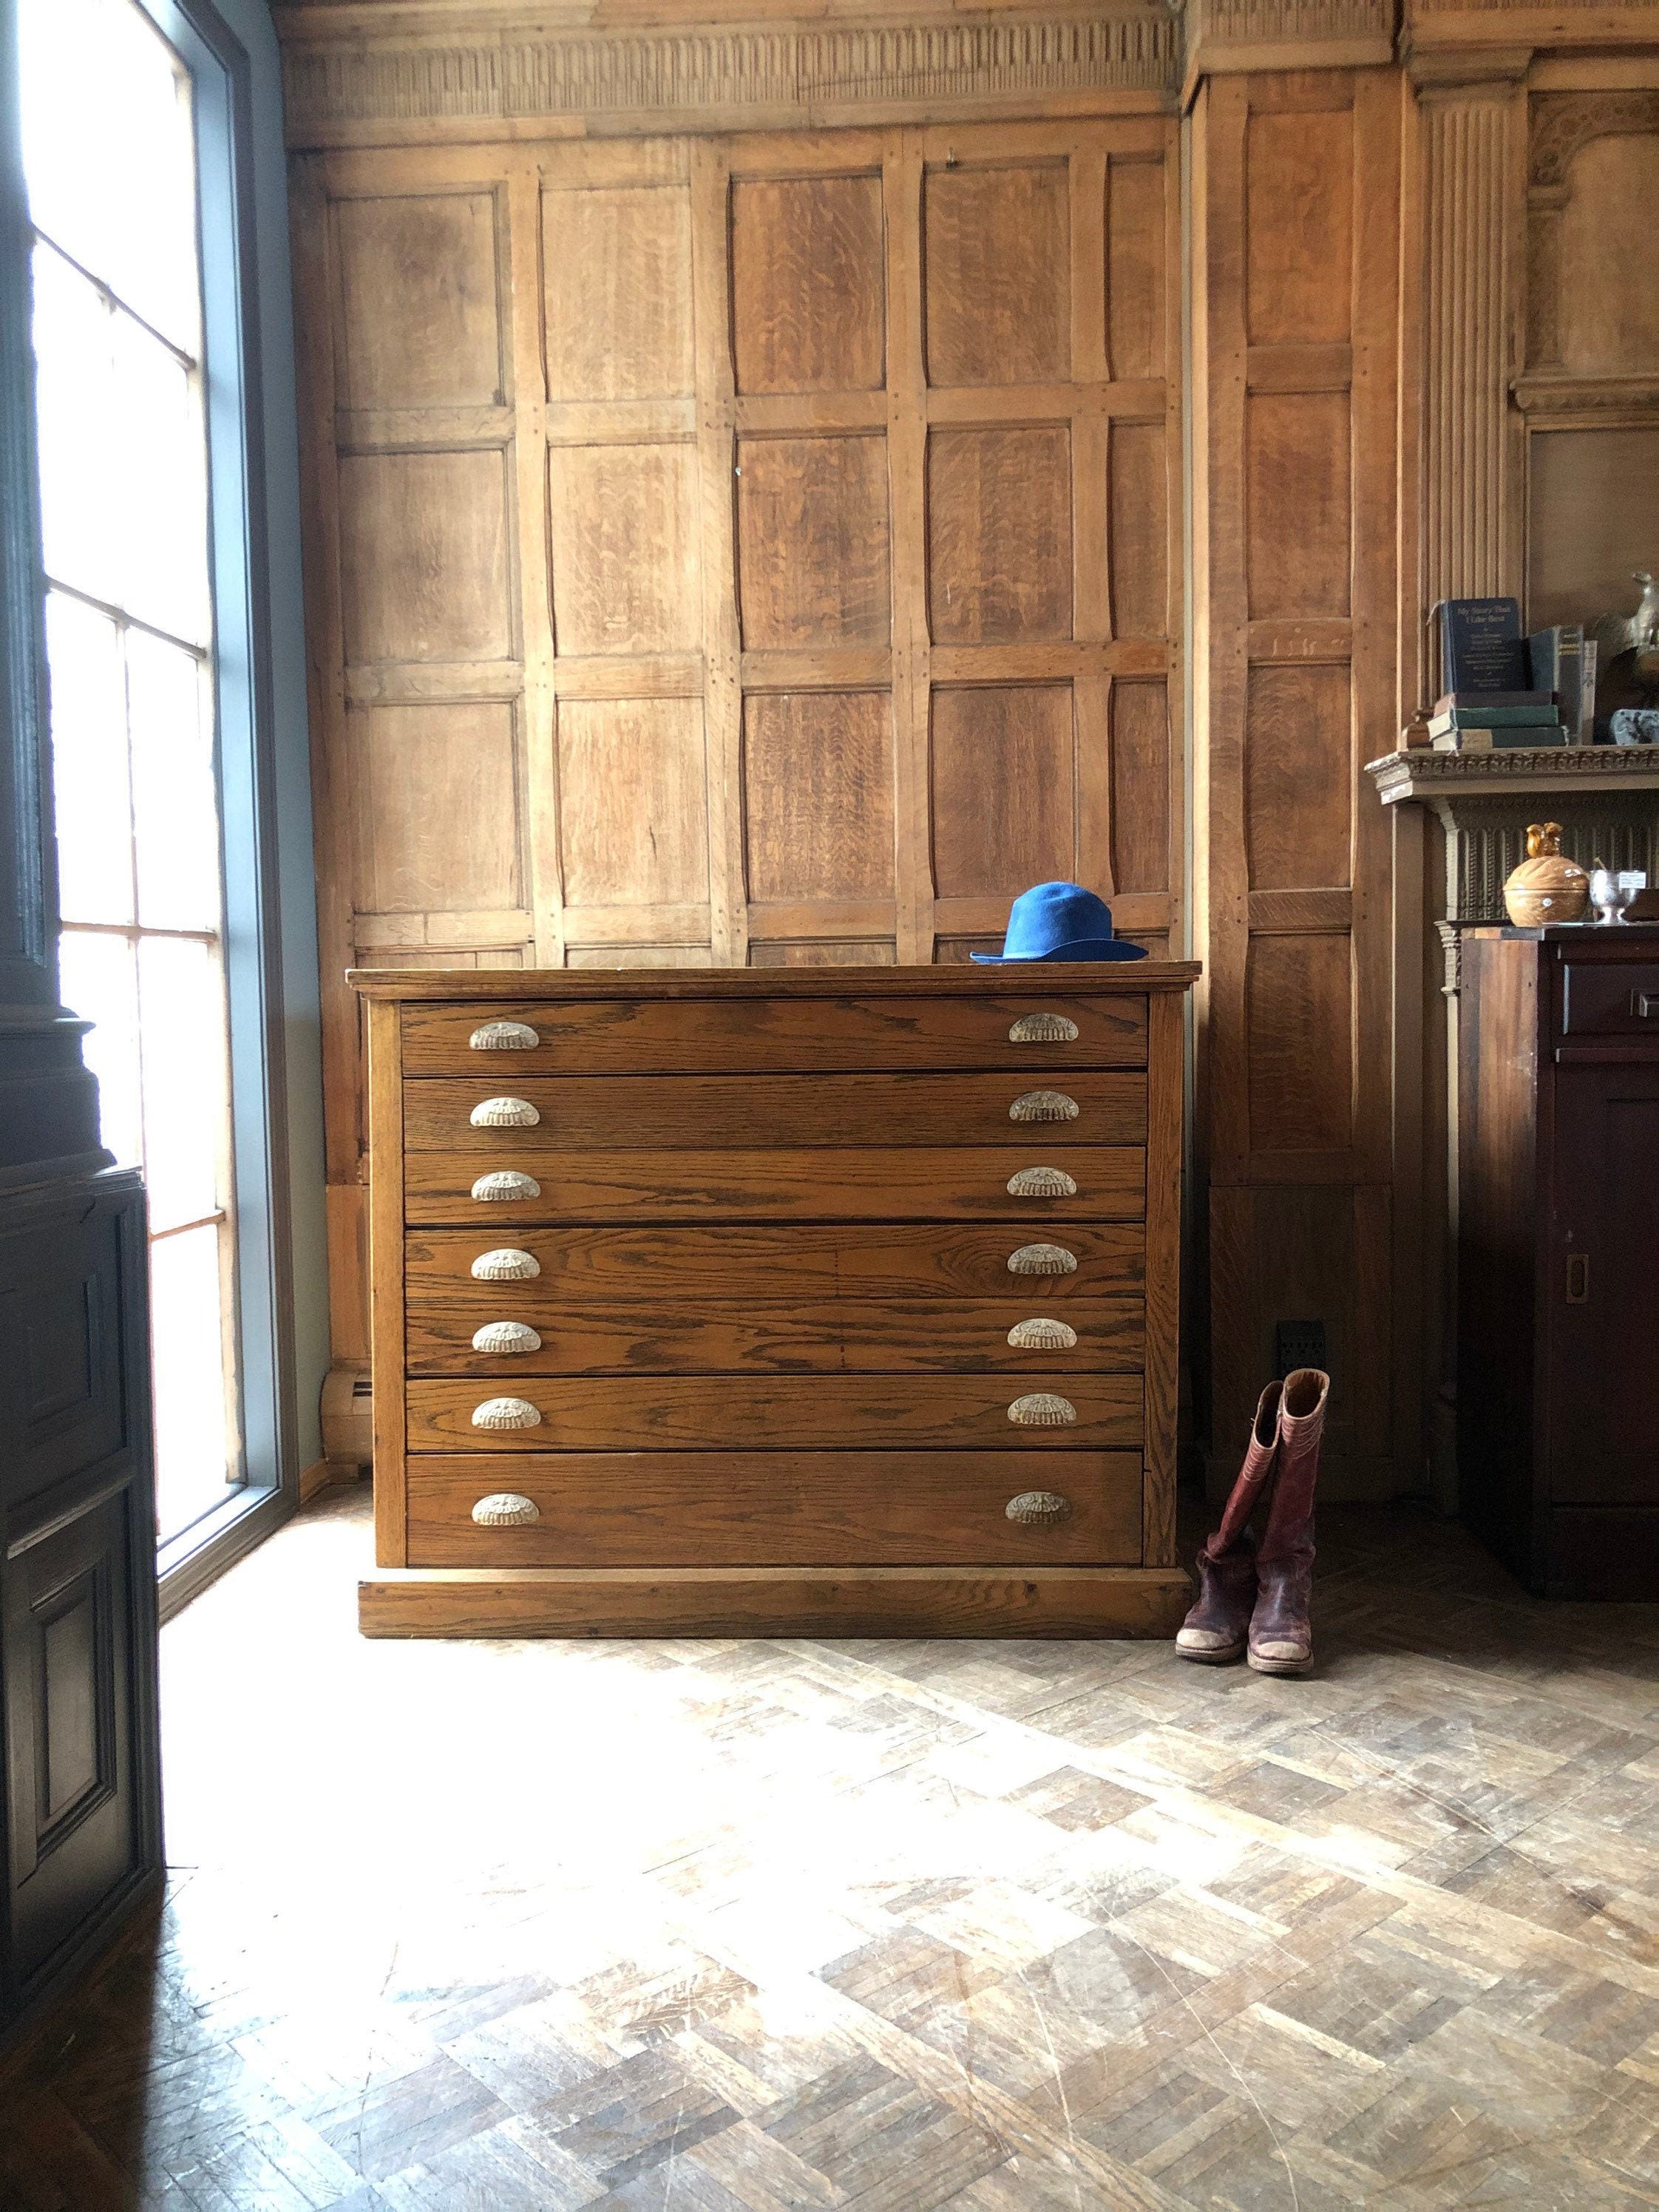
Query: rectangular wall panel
{"x": 1296, "y": 240}
{"x": 760, "y": 548}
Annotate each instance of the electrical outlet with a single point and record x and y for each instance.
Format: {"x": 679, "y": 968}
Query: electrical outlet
{"x": 1298, "y": 1344}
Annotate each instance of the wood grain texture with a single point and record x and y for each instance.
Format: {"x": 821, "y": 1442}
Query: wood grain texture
{"x": 1166, "y": 1115}
{"x": 817, "y": 1110}
{"x": 812, "y": 542}
{"x": 999, "y": 535}
{"x": 540, "y": 512}
{"x": 423, "y": 558}
{"x": 777, "y": 1414}
{"x": 997, "y": 302}
{"x": 1090, "y": 978}
{"x": 419, "y": 317}
{"x": 632, "y": 822}
{"x": 647, "y": 1034}
{"x": 796, "y": 1507}
{"x": 624, "y": 537}
{"x": 1138, "y": 512}
{"x": 1006, "y": 1599}
{"x": 1298, "y": 493}
{"x": 1004, "y": 780}
{"x": 1300, "y": 1008}
{"x": 808, "y": 303}
{"x": 1138, "y": 286}
{"x": 434, "y": 797}
{"x": 1141, "y": 749}
{"x": 627, "y": 1183}
{"x": 725, "y": 1336}
{"x": 1298, "y": 792}
{"x": 386, "y": 1263}
{"x": 805, "y": 1260}
{"x": 817, "y": 795}
{"x": 618, "y": 262}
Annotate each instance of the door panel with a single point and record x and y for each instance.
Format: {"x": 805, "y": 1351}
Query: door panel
{"x": 1603, "y": 1292}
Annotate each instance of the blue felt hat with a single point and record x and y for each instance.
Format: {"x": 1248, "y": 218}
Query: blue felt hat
{"x": 1061, "y": 921}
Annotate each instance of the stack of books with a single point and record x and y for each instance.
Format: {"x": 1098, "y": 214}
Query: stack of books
{"x": 1484, "y": 721}
{"x": 1505, "y": 690}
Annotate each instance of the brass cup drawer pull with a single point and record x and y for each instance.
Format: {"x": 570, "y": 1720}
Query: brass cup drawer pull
{"x": 505, "y": 1183}
{"x": 504, "y": 1266}
{"x": 504, "y": 1037}
{"x": 1039, "y": 1509}
{"x": 505, "y": 1508}
{"x": 507, "y": 1413}
{"x": 1040, "y": 1335}
{"x": 504, "y": 1113}
{"x": 1042, "y": 1409}
{"x": 1043, "y": 1029}
{"x": 1043, "y": 1106}
{"x": 1043, "y": 1260}
{"x": 503, "y": 1336}
{"x": 1042, "y": 1183}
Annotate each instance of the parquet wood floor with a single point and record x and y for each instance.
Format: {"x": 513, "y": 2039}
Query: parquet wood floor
{"x": 733, "y": 1927}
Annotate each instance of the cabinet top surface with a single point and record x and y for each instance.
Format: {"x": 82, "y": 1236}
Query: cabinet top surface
{"x": 1023, "y": 979}
{"x": 1629, "y": 938}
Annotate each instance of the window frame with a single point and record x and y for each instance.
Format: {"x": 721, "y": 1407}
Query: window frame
{"x": 244, "y": 746}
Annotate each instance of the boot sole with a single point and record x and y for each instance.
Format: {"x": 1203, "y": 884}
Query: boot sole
{"x": 1282, "y": 1665}
{"x": 1222, "y": 1658}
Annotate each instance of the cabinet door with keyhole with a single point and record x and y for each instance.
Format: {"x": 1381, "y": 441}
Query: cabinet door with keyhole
{"x": 1602, "y": 1288}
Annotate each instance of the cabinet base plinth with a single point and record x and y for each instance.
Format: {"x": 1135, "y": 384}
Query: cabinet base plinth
{"x": 994, "y": 1600}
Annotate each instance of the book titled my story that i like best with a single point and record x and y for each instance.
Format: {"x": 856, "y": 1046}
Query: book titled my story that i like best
{"x": 1482, "y": 647}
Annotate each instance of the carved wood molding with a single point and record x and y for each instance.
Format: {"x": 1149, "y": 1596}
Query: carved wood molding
{"x": 336, "y": 91}
{"x": 1563, "y": 123}
{"x": 1469, "y": 537}
{"x": 1422, "y": 774}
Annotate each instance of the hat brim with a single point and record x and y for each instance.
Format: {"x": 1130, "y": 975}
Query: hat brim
{"x": 1084, "y": 948}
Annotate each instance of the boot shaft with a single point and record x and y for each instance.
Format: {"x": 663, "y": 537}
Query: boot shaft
{"x": 1251, "y": 1478}
{"x": 1289, "y": 1532}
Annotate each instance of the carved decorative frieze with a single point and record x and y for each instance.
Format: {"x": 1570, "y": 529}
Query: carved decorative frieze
{"x": 330, "y": 88}
{"x": 1562, "y": 124}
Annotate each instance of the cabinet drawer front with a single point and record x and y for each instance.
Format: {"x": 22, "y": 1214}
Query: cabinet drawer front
{"x": 903, "y": 1183}
{"x": 718, "y": 1413}
{"x": 727, "y": 1337}
{"x": 1610, "y": 998}
{"x": 773, "y": 1509}
{"x": 812, "y": 1261}
{"x": 772, "y": 1112}
{"x": 669, "y": 1036}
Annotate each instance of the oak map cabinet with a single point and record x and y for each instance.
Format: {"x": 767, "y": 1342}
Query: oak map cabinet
{"x": 733, "y": 1302}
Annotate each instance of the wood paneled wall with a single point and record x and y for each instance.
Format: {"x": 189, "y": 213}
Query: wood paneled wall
{"x": 756, "y": 549}
{"x": 1296, "y": 255}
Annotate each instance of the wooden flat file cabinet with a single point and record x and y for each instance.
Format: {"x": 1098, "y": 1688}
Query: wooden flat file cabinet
{"x": 738, "y": 1302}
{"x": 1558, "y": 1380}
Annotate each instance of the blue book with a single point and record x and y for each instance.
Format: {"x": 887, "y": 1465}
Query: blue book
{"x": 1481, "y": 647}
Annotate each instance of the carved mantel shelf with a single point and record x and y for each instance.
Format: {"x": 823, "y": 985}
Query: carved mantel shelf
{"x": 1422, "y": 774}
{"x": 1604, "y": 797}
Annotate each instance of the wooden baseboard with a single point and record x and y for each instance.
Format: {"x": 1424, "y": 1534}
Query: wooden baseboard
{"x": 1056, "y": 1601}
{"x": 324, "y": 1474}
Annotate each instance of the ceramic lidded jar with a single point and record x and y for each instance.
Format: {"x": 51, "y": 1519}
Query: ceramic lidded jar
{"x": 1547, "y": 887}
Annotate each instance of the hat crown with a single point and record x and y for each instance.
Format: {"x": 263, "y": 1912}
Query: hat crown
{"x": 1054, "y": 914}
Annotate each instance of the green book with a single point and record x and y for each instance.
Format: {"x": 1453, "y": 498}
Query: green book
{"x": 1499, "y": 741}
{"x": 1493, "y": 718}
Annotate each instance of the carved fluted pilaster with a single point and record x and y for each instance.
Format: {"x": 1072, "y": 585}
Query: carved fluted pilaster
{"x": 1472, "y": 212}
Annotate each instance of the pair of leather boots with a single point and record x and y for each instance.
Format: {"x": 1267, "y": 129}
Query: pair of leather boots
{"x": 1259, "y": 1593}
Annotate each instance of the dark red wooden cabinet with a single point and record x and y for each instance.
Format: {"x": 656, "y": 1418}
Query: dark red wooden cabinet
{"x": 1557, "y": 1385}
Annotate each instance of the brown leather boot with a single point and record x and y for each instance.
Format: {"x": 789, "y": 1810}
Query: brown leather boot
{"x": 1281, "y": 1627}
{"x": 1215, "y": 1630}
